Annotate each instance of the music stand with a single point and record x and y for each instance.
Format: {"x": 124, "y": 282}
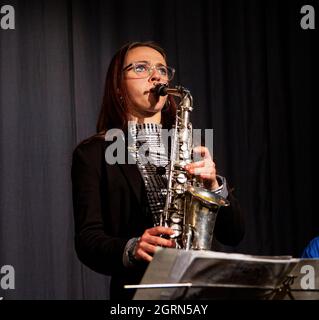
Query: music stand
{"x": 178, "y": 274}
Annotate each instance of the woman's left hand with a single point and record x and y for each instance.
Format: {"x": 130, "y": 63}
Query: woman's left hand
{"x": 204, "y": 169}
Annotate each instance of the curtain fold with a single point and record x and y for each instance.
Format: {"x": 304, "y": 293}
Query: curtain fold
{"x": 251, "y": 70}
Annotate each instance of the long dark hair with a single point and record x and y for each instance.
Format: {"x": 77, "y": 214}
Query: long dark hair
{"x": 113, "y": 112}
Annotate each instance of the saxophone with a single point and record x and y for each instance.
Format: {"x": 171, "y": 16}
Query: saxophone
{"x": 190, "y": 209}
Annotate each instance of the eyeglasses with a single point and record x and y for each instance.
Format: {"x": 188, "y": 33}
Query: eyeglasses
{"x": 143, "y": 69}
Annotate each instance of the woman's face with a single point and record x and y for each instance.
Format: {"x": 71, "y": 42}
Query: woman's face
{"x": 141, "y": 101}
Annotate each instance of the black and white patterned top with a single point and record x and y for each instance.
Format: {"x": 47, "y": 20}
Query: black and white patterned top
{"x": 150, "y": 153}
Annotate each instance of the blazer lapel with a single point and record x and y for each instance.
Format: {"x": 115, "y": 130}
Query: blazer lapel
{"x": 130, "y": 171}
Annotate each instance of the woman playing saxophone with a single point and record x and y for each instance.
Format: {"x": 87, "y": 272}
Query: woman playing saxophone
{"x": 116, "y": 206}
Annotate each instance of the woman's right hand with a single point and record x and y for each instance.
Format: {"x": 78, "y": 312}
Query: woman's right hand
{"x": 147, "y": 243}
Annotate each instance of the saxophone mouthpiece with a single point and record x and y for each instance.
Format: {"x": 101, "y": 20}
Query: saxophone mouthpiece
{"x": 160, "y": 89}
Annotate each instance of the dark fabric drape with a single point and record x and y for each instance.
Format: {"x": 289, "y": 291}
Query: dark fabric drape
{"x": 251, "y": 70}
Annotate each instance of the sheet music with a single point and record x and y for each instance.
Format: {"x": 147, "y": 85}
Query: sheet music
{"x": 205, "y": 270}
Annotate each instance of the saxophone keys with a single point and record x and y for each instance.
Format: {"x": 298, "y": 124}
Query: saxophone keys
{"x": 181, "y": 178}
{"x": 177, "y": 230}
{"x": 186, "y": 154}
{"x": 176, "y": 220}
{"x": 184, "y": 146}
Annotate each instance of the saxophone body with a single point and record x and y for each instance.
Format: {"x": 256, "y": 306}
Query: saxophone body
{"x": 190, "y": 209}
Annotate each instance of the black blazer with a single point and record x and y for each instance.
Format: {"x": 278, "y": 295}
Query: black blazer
{"x": 110, "y": 207}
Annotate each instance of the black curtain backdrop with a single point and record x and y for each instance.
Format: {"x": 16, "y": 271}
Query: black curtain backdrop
{"x": 251, "y": 70}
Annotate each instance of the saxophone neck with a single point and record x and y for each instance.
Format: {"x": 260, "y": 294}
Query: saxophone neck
{"x": 162, "y": 89}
